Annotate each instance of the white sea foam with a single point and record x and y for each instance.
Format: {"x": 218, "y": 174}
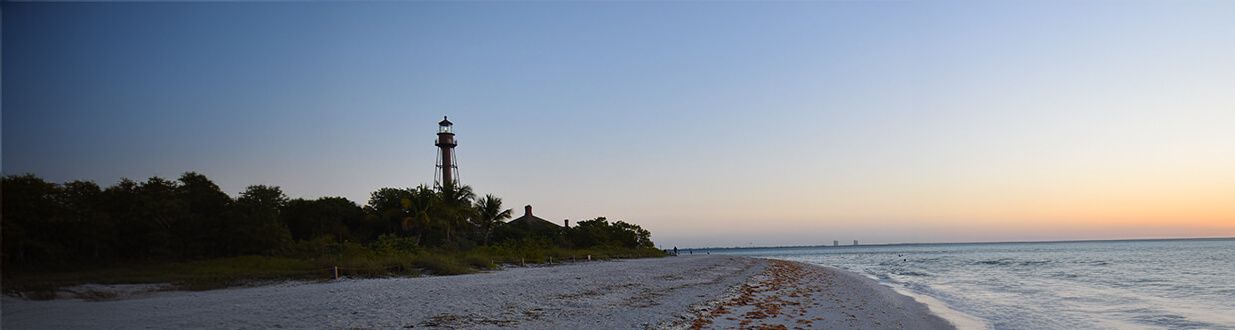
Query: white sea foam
{"x": 961, "y": 320}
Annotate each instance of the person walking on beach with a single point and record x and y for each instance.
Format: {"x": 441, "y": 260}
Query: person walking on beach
{"x": 675, "y": 250}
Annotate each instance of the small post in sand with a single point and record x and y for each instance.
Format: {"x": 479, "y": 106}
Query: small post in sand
{"x": 336, "y": 272}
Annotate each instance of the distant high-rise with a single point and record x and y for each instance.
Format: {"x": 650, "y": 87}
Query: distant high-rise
{"x": 855, "y": 242}
{"x": 835, "y": 243}
{"x": 447, "y": 172}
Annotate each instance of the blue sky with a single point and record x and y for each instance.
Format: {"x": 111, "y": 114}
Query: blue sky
{"x": 731, "y": 123}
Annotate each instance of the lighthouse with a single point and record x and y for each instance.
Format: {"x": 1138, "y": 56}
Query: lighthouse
{"x": 447, "y": 172}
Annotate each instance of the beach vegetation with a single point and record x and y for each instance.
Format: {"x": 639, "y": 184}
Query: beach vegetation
{"x": 190, "y": 233}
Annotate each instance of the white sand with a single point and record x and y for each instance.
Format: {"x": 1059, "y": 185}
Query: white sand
{"x": 634, "y": 294}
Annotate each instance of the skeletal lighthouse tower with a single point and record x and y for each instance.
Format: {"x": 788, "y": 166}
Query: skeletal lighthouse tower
{"x": 447, "y": 173}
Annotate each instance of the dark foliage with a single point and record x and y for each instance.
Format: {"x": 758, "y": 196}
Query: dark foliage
{"x": 81, "y": 225}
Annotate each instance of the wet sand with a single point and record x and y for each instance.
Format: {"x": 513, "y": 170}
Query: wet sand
{"x": 791, "y": 295}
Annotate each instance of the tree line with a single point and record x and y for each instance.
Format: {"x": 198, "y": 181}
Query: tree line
{"x": 79, "y": 222}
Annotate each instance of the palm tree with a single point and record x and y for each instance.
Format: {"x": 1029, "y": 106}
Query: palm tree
{"x": 489, "y": 214}
{"x": 457, "y": 206}
{"x": 416, "y": 206}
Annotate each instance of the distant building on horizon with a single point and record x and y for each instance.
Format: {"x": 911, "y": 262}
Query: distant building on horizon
{"x": 855, "y": 242}
{"x": 446, "y": 173}
{"x": 835, "y": 243}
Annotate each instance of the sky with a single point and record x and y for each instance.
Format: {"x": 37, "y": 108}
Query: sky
{"x": 708, "y": 123}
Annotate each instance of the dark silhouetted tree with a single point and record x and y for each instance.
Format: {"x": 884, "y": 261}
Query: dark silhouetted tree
{"x": 87, "y": 229}
{"x": 455, "y": 210}
{"x": 28, "y": 219}
{"x": 157, "y": 204}
{"x": 327, "y": 216}
{"x": 256, "y": 226}
{"x": 489, "y": 214}
{"x": 202, "y": 232}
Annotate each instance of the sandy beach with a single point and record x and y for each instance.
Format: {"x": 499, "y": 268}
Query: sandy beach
{"x": 702, "y": 292}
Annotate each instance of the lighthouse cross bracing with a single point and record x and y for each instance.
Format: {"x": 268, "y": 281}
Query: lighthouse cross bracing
{"x": 446, "y": 173}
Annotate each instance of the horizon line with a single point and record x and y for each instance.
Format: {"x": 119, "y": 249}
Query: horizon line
{"x": 1218, "y": 238}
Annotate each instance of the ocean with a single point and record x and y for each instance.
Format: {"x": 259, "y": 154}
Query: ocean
{"x": 1136, "y": 284}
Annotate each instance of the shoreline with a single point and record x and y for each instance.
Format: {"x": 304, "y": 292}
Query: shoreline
{"x": 798, "y": 295}
{"x": 959, "y": 319}
{"x": 672, "y": 292}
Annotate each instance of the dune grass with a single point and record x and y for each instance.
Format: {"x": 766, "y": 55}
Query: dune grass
{"x": 351, "y": 260}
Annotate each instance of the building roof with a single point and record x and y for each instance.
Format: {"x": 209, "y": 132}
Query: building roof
{"x": 445, "y": 122}
{"x": 531, "y": 222}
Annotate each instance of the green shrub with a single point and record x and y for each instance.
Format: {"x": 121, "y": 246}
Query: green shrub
{"x": 391, "y": 244}
{"x": 442, "y": 265}
{"x": 479, "y": 261}
{"x": 322, "y": 246}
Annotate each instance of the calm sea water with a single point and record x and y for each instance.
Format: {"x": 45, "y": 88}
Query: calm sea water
{"x": 1156, "y": 284}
